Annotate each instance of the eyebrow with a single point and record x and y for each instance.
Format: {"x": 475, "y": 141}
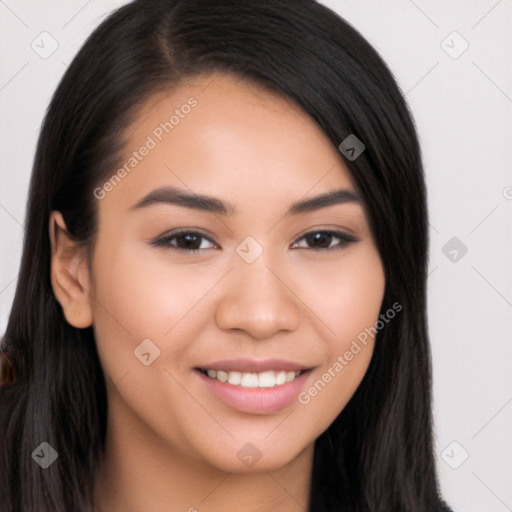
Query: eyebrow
{"x": 180, "y": 197}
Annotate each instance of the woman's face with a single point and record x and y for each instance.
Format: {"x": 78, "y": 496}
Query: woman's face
{"x": 266, "y": 291}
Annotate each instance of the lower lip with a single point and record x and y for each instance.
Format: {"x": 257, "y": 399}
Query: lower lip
{"x": 256, "y": 400}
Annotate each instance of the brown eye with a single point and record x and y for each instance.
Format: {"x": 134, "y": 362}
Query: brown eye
{"x": 184, "y": 240}
{"x": 318, "y": 240}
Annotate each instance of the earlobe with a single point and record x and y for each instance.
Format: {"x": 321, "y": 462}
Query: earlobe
{"x": 69, "y": 274}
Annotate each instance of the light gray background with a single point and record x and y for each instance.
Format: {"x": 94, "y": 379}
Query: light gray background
{"x": 463, "y": 110}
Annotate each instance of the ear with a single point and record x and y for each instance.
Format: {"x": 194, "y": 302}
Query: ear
{"x": 69, "y": 274}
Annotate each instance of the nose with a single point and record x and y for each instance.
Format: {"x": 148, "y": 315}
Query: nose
{"x": 258, "y": 298}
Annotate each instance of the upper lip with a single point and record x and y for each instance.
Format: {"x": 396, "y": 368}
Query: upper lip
{"x": 254, "y": 365}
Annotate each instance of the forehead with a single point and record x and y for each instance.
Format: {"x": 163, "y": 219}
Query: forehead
{"x": 222, "y": 136}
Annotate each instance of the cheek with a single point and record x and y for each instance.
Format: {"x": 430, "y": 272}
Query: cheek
{"x": 146, "y": 296}
{"x": 361, "y": 290}
{"x": 350, "y": 306}
{"x": 346, "y": 295}
{"x": 139, "y": 298}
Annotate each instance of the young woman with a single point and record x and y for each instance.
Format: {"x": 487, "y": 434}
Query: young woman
{"x": 221, "y": 303}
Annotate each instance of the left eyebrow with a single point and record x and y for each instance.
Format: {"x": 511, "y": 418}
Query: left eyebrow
{"x": 338, "y": 196}
{"x": 180, "y": 197}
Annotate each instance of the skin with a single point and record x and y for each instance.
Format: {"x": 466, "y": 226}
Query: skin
{"x": 171, "y": 444}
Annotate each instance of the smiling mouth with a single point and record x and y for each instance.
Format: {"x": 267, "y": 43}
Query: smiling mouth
{"x": 265, "y": 379}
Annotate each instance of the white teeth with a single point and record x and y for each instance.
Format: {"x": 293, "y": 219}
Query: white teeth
{"x": 266, "y": 379}
{"x": 281, "y": 378}
{"x": 290, "y": 376}
{"x": 249, "y": 380}
{"x": 235, "y": 378}
{"x": 222, "y": 376}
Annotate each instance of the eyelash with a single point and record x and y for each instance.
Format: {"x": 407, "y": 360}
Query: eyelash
{"x": 345, "y": 240}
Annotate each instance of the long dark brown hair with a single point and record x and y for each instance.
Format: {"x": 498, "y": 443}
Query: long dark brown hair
{"x": 378, "y": 455}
